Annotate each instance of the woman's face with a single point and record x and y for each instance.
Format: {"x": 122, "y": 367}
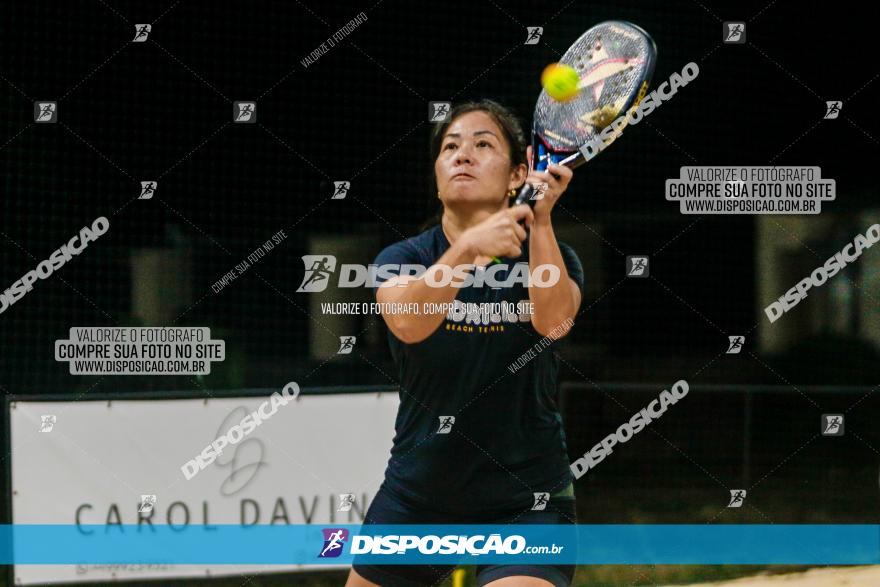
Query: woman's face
{"x": 474, "y": 162}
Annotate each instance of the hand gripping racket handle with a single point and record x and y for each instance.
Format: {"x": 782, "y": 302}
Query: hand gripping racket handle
{"x": 527, "y": 191}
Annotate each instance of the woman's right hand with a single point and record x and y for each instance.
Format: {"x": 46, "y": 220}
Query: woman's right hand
{"x": 500, "y": 234}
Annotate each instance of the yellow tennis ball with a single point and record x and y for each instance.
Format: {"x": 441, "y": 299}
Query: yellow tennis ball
{"x": 560, "y": 81}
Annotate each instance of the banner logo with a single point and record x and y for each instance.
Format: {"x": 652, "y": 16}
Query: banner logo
{"x": 334, "y": 540}
{"x": 319, "y": 268}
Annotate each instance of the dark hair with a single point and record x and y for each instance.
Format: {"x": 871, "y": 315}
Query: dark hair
{"x": 511, "y": 128}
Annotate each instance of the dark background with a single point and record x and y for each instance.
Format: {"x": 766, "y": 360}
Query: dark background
{"x": 162, "y": 110}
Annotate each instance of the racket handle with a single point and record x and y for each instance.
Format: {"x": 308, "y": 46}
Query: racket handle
{"x": 527, "y": 191}
{"x": 525, "y": 194}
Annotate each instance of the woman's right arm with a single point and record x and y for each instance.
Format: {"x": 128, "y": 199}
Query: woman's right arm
{"x": 498, "y": 235}
{"x": 409, "y": 289}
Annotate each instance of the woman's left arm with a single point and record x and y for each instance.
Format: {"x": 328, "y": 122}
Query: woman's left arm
{"x": 554, "y": 307}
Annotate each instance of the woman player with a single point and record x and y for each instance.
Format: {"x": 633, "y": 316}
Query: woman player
{"x": 504, "y": 452}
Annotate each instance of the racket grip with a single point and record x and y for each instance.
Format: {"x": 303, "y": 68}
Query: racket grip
{"x": 525, "y": 194}
{"x": 527, "y": 191}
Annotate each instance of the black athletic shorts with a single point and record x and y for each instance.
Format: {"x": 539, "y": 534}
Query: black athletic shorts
{"x": 388, "y": 508}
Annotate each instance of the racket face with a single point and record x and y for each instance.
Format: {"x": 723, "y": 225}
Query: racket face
{"x": 614, "y": 60}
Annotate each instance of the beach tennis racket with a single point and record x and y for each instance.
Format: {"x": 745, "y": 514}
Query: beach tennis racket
{"x": 614, "y": 61}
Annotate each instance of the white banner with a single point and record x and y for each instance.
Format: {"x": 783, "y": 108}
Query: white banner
{"x": 90, "y": 462}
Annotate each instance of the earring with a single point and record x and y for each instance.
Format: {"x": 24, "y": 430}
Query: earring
{"x": 511, "y": 193}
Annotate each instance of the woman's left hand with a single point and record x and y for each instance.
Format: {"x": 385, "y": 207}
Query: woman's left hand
{"x": 552, "y": 188}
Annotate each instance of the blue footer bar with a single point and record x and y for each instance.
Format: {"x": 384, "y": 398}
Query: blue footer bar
{"x": 661, "y": 544}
